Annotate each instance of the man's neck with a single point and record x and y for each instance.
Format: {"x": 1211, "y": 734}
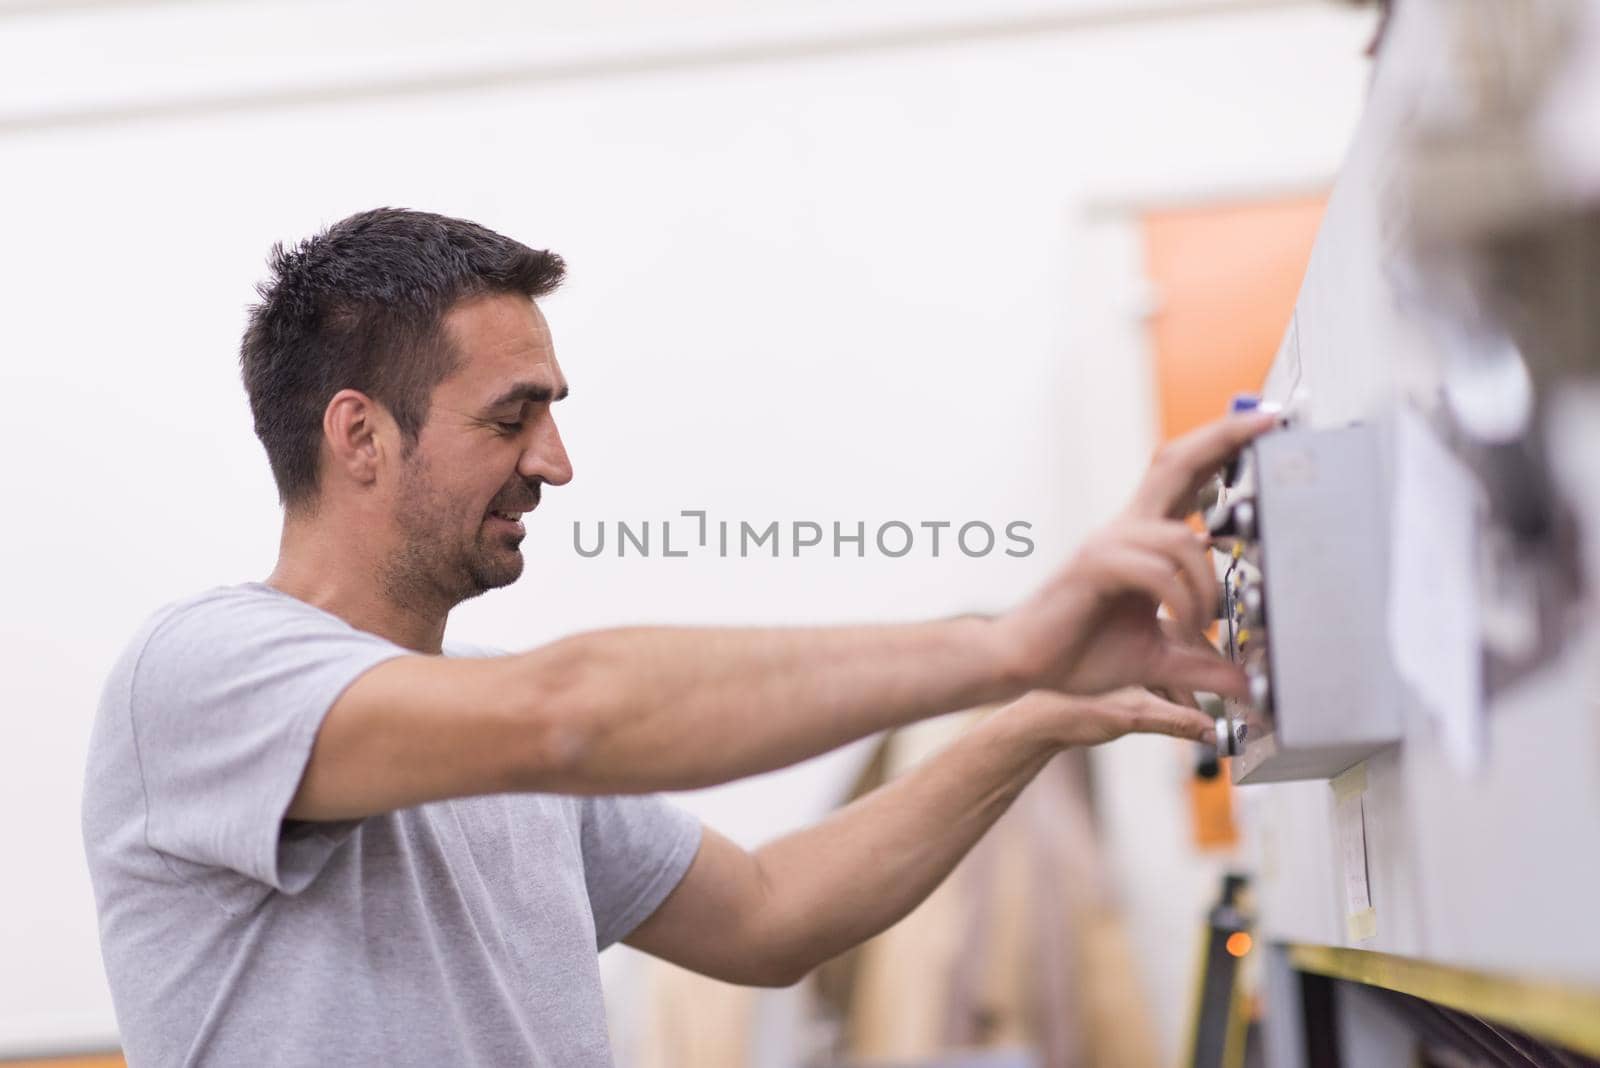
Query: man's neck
{"x": 343, "y": 580}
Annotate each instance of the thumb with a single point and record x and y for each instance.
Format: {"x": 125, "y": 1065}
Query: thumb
{"x": 1159, "y": 716}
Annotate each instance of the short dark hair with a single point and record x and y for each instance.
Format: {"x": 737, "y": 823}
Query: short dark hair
{"x": 361, "y": 306}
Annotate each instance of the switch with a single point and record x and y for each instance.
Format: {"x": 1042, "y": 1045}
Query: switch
{"x": 1235, "y": 519}
{"x": 1260, "y": 689}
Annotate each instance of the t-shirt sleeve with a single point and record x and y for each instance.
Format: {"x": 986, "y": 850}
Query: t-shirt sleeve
{"x": 635, "y": 851}
{"x": 226, "y": 700}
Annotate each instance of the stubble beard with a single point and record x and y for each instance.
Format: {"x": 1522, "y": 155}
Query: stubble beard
{"x": 431, "y": 567}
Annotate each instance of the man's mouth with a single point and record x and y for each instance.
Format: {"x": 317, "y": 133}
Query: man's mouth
{"x": 507, "y": 520}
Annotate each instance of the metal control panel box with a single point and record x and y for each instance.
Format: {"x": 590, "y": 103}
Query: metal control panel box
{"x": 1306, "y": 602}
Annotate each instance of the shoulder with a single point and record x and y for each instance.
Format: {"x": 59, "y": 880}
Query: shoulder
{"x": 245, "y": 631}
{"x": 252, "y": 606}
{"x": 176, "y": 620}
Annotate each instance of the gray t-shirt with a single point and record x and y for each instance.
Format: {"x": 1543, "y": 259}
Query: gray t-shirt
{"x": 461, "y": 932}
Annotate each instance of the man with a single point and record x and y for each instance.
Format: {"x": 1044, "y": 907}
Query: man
{"x": 316, "y": 840}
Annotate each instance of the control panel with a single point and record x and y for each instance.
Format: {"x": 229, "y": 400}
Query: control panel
{"x": 1302, "y": 520}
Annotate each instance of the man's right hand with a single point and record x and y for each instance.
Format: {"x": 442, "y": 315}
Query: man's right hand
{"x": 1094, "y": 627}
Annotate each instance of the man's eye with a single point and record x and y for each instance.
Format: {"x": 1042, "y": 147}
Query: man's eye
{"x": 510, "y": 428}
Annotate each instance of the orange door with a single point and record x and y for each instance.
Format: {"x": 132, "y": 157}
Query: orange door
{"x": 1226, "y": 277}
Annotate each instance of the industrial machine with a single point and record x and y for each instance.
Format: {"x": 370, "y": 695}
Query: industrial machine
{"x": 1414, "y": 562}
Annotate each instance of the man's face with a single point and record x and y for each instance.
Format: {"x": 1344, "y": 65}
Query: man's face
{"x": 489, "y": 443}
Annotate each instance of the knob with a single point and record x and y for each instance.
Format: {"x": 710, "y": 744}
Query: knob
{"x": 1260, "y": 690}
{"x": 1236, "y": 519}
{"x": 1250, "y": 604}
{"x": 1244, "y": 520}
{"x": 1227, "y": 741}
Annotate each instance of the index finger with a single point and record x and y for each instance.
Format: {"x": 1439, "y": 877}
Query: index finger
{"x": 1184, "y": 464}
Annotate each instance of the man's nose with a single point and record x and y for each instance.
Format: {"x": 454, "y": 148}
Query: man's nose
{"x": 546, "y": 455}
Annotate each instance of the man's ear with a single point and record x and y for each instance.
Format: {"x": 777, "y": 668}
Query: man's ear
{"x": 356, "y": 430}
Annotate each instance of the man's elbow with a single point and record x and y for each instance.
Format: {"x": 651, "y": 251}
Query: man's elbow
{"x": 782, "y": 953}
{"x": 779, "y": 973}
{"x": 755, "y": 970}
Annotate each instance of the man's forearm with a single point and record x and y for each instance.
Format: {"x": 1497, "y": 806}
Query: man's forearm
{"x": 851, "y": 876}
{"x": 643, "y": 709}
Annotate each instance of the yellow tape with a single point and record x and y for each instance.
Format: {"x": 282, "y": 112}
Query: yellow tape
{"x": 1350, "y": 782}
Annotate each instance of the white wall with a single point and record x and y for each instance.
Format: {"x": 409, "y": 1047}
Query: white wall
{"x": 842, "y": 285}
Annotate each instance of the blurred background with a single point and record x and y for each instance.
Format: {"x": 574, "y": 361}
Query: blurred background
{"x": 858, "y": 262}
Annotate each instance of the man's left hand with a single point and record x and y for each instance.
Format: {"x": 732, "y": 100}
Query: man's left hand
{"x": 1063, "y": 721}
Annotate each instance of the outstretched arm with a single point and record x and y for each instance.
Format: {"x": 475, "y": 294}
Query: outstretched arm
{"x": 634, "y": 710}
{"x": 769, "y": 917}
{"x": 640, "y": 709}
